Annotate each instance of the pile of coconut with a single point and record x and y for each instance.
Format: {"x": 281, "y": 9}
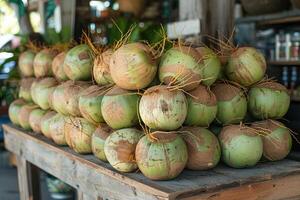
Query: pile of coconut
{"x": 157, "y": 111}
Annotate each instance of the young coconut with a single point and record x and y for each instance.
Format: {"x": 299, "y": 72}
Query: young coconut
{"x": 42, "y": 90}
{"x": 204, "y": 151}
{"x": 202, "y": 107}
{"x": 241, "y": 146}
{"x": 119, "y": 149}
{"x": 161, "y": 156}
{"x": 58, "y": 66}
{"x": 43, "y": 61}
{"x": 232, "y": 103}
{"x": 79, "y": 134}
{"x": 58, "y": 98}
{"x": 98, "y": 140}
{"x": 119, "y": 108}
{"x": 25, "y": 89}
{"x": 50, "y": 98}
{"x": 35, "y": 119}
{"x": 25, "y": 63}
{"x": 78, "y": 63}
{"x": 57, "y": 129}
{"x": 161, "y": 108}
{"x": 246, "y": 66}
{"x": 133, "y": 66}
{"x": 14, "y": 110}
{"x": 101, "y": 71}
{"x": 277, "y": 140}
{"x": 45, "y": 123}
{"x": 23, "y": 115}
{"x": 90, "y": 103}
{"x": 268, "y": 100}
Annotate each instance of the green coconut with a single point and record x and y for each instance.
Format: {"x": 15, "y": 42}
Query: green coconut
{"x": 133, "y": 66}
{"x": 25, "y": 89}
{"x": 186, "y": 67}
{"x": 58, "y": 98}
{"x": 23, "y": 115}
{"x": 57, "y": 129}
{"x": 42, "y": 90}
{"x": 45, "y": 123}
{"x": 119, "y": 108}
{"x": 14, "y": 110}
{"x": 232, "y": 103}
{"x": 42, "y": 63}
{"x": 78, "y": 63}
{"x": 204, "y": 151}
{"x": 246, "y": 66}
{"x": 50, "y": 98}
{"x": 90, "y": 103}
{"x": 25, "y": 63}
{"x": 268, "y": 100}
{"x": 202, "y": 107}
{"x": 35, "y": 119}
{"x": 163, "y": 109}
{"x": 58, "y": 67}
{"x": 277, "y": 140}
{"x": 119, "y": 149}
{"x": 79, "y": 134}
{"x": 98, "y": 140}
{"x": 161, "y": 156}
{"x": 101, "y": 71}
{"x": 241, "y": 146}
{"x": 210, "y": 66}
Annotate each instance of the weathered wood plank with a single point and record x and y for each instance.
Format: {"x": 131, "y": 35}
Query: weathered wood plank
{"x": 28, "y": 180}
{"x": 276, "y": 189}
{"x": 96, "y": 178}
{"x": 82, "y": 196}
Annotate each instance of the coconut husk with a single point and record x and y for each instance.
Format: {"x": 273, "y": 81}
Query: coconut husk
{"x": 272, "y": 85}
{"x": 225, "y": 91}
{"x": 203, "y": 95}
{"x": 230, "y": 131}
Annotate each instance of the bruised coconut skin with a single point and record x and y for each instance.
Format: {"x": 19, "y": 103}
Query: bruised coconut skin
{"x": 204, "y": 151}
{"x": 42, "y": 63}
{"x": 268, "y": 100}
{"x": 180, "y": 65}
{"x": 101, "y": 71}
{"x": 25, "y": 87}
{"x": 202, "y": 107}
{"x": 210, "y": 65}
{"x": 26, "y": 63}
{"x": 120, "y": 108}
{"x": 14, "y": 109}
{"x": 277, "y": 140}
{"x": 132, "y": 66}
{"x": 79, "y": 134}
{"x": 120, "y": 147}
{"x": 58, "y": 67}
{"x": 23, "y": 115}
{"x": 162, "y": 109}
{"x": 161, "y": 156}
{"x": 246, "y": 66}
{"x": 90, "y": 103}
{"x": 42, "y": 89}
{"x": 78, "y": 63}
{"x": 57, "y": 129}
{"x": 35, "y": 119}
{"x": 45, "y": 123}
{"x": 241, "y": 146}
{"x": 98, "y": 140}
{"x": 232, "y": 103}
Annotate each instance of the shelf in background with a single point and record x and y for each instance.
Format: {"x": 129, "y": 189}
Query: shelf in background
{"x": 295, "y": 98}
{"x": 283, "y": 63}
{"x": 286, "y": 17}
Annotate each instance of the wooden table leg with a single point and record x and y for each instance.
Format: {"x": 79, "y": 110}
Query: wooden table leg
{"x": 28, "y": 179}
{"x": 82, "y": 196}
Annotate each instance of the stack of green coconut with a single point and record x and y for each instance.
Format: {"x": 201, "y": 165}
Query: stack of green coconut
{"x": 137, "y": 109}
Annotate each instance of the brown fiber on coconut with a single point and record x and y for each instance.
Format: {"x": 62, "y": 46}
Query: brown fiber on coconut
{"x": 101, "y": 71}
{"x": 229, "y": 132}
{"x": 203, "y": 95}
{"x": 45, "y": 130}
{"x": 25, "y": 88}
{"x": 42, "y": 63}
{"x": 24, "y": 114}
{"x": 272, "y": 85}
{"x": 225, "y": 91}
{"x": 57, "y": 66}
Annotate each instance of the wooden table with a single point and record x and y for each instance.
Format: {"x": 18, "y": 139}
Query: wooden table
{"x": 94, "y": 179}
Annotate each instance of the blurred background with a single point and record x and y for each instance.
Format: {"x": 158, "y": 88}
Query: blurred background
{"x": 272, "y": 26}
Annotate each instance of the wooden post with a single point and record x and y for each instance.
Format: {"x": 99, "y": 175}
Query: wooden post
{"x": 29, "y": 180}
{"x": 217, "y": 20}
